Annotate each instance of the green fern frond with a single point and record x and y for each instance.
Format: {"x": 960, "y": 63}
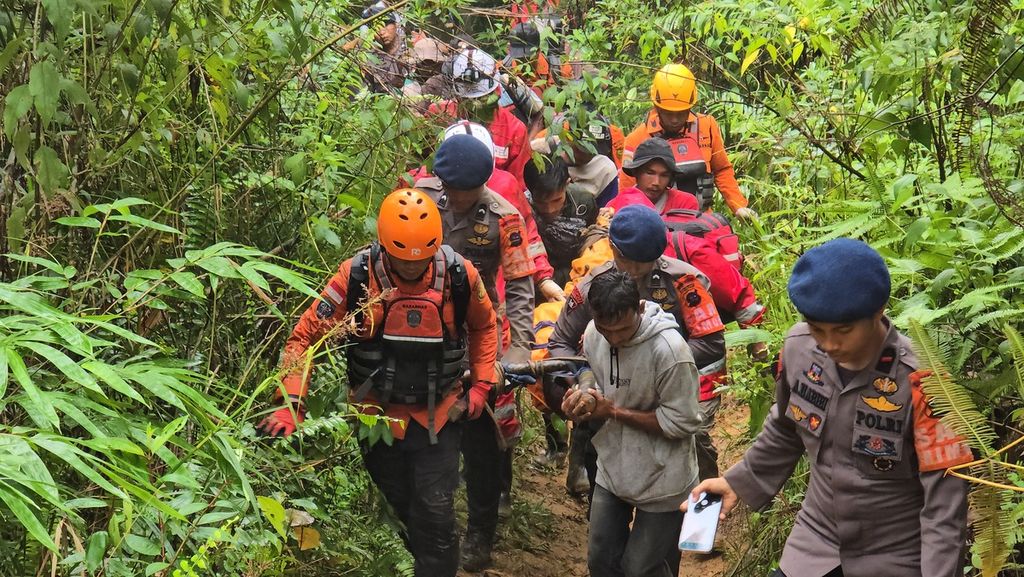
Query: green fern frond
{"x": 200, "y": 217}
{"x": 948, "y": 398}
{"x": 992, "y": 522}
{"x": 1017, "y": 350}
{"x": 989, "y": 317}
{"x": 331, "y": 424}
{"x": 877, "y": 20}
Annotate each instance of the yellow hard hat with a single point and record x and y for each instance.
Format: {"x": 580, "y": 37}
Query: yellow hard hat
{"x": 674, "y": 88}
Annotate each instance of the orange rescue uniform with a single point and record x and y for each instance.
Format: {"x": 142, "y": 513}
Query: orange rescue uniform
{"x": 322, "y": 324}
{"x": 712, "y": 147}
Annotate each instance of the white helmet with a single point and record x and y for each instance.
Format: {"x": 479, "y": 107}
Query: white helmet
{"x": 473, "y": 129}
{"x": 474, "y": 73}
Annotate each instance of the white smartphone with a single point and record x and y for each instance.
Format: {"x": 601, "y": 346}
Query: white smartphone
{"x": 700, "y": 523}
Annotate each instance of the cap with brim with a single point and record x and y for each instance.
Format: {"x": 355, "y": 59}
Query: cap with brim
{"x": 651, "y": 149}
{"x": 428, "y": 50}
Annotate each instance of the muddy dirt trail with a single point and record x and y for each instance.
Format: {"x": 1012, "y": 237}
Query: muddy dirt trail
{"x": 546, "y": 535}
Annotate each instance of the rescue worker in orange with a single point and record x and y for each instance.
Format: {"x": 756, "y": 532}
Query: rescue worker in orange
{"x": 697, "y": 145}
{"x": 427, "y": 318}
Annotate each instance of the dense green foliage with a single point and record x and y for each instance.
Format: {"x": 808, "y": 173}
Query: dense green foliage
{"x": 178, "y": 177}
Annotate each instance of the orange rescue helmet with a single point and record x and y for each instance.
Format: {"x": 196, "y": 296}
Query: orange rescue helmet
{"x": 674, "y": 88}
{"x": 409, "y": 225}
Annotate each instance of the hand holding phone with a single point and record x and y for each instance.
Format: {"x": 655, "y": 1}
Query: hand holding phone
{"x": 700, "y": 523}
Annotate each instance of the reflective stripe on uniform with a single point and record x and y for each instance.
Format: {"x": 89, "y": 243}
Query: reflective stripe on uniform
{"x": 750, "y": 313}
{"x": 715, "y": 367}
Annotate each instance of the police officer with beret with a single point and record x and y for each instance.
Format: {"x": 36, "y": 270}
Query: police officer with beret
{"x": 485, "y": 228}
{"x": 848, "y": 396}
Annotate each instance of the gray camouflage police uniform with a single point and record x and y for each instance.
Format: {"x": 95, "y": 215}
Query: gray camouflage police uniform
{"x": 868, "y": 507}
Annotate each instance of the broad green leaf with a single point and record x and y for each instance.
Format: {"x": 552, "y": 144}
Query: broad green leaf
{"x": 44, "y": 85}
{"x": 16, "y": 106}
{"x": 189, "y": 282}
{"x": 123, "y": 333}
{"x": 168, "y": 431}
{"x": 106, "y": 444}
{"x": 76, "y": 415}
{"x": 3, "y": 373}
{"x": 73, "y": 456}
{"x": 79, "y": 221}
{"x": 38, "y": 406}
{"x": 349, "y": 200}
{"x": 747, "y": 336}
{"x": 127, "y": 202}
{"x": 916, "y": 230}
{"x": 142, "y": 545}
{"x": 45, "y": 263}
{"x": 59, "y": 13}
{"x": 109, "y": 376}
{"x": 219, "y": 266}
{"x": 250, "y": 274}
{"x": 222, "y": 441}
{"x": 50, "y": 170}
{"x": 273, "y": 510}
{"x": 798, "y": 50}
{"x": 144, "y": 223}
{"x": 19, "y": 505}
{"x": 86, "y": 503}
{"x": 286, "y": 276}
{"x": 218, "y": 517}
{"x": 151, "y": 382}
{"x": 64, "y": 363}
{"x": 30, "y": 303}
{"x": 154, "y": 568}
{"x": 96, "y": 550}
{"x": 76, "y": 94}
{"x": 76, "y": 340}
{"x": 9, "y": 51}
{"x": 36, "y": 474}
{"x": 749, "y": 59}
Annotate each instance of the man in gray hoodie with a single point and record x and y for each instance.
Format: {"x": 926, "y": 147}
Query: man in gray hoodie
{"x": 646, "y": 403}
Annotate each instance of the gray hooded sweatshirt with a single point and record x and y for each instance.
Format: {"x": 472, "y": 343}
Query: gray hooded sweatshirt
{"x": 654, "y": 371}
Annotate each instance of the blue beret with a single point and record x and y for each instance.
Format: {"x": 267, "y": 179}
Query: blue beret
{"x": 638, "y": 232}
{"x": 463, "y": 162}
{"x": 840, "y": 281}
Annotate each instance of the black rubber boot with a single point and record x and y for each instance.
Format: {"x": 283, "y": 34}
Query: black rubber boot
{"x": 476, "y": 553}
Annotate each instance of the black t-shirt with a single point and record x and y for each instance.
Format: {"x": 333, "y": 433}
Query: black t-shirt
{"x": 563, "y": 235}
